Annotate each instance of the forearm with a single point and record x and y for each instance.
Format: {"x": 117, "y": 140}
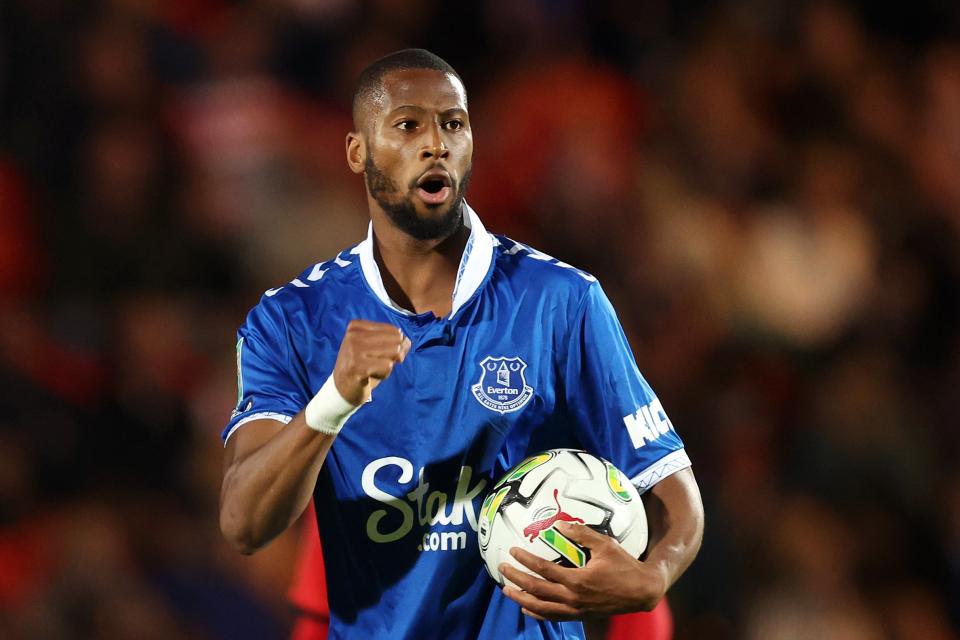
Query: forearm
{"x": 675, "y": 515}
{"x": 266, "y": 487}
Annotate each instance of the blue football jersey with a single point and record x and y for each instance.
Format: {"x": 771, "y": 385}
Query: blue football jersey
{"x": 531, "y": 357}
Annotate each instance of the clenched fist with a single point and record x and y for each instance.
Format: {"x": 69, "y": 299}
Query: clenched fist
{"x": 368, "y": 353}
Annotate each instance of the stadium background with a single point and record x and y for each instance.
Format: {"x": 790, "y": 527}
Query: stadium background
{"x": 769, "y": 191}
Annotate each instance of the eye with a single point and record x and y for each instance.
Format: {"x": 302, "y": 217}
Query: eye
{"x": 453, "y": 125}
{"x": 406, "y": 125}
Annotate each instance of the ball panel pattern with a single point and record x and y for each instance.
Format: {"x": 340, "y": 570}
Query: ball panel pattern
{"x": 559, "y": 485}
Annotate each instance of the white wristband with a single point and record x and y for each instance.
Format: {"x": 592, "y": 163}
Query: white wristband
{"x": 328, "y": 410}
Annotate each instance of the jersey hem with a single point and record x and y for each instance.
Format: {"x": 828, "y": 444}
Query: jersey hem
{"x": 662, "y": 468}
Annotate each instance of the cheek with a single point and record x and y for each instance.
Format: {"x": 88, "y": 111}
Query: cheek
{"x": 385, "y": 149}
{"x": 387, "y": 161}
{"x": 461, "y": 144}
{"x": 465, "y": 152}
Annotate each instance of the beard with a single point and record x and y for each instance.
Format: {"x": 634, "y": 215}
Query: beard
{"x": 400, "y": 209}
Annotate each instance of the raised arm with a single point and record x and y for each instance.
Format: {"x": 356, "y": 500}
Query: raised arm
{"x": 270, "y": 469}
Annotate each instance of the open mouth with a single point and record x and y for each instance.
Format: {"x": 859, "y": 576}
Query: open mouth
{"x": 434, "y": 187}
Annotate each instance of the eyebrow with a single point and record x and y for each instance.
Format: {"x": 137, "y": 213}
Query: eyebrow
{"x": 445, "y": 112}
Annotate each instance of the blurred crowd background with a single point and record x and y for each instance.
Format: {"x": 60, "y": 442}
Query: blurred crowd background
{"x": 769, "y": 191}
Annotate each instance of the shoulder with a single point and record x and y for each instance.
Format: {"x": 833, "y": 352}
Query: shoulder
{"x": 522, "y": 263}
{"x": 313, "y": 289}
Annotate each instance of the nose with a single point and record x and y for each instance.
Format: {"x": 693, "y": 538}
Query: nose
{"x": 434, "y": 147}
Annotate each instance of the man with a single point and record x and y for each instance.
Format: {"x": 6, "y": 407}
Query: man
{"x": 357, "y": 387}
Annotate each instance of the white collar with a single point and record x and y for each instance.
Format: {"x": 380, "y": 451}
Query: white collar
{"x": 474, "y": 265}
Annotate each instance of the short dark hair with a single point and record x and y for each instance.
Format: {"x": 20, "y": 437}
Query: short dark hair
{"x": 370, "y": 82}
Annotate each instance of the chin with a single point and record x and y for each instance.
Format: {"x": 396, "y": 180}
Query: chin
{"x": 434, "y": 211}
{"x": 432, "y": 222}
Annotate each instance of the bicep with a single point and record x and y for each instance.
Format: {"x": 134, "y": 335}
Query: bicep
{"x": 681, "y": 485}
{"x": 249, "y": 439}
{"x": 674, "y": 502}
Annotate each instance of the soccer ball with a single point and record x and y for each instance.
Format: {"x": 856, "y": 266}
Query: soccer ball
{"x": 559, "y": 485}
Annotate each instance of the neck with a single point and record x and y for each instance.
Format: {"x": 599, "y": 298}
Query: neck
{"x": 419, "y": 275}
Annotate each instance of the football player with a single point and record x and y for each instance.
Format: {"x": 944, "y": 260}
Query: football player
{"x": 394, "y": 382}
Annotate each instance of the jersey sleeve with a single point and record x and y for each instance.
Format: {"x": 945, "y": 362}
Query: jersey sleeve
{"x": 616, "y": 413}
{"x": 266, "y": 383}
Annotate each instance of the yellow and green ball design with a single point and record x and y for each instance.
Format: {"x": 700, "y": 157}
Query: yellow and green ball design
{"x": 524, "y": 506}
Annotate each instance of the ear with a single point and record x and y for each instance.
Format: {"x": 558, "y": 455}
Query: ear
{"x": 356, "y": 152}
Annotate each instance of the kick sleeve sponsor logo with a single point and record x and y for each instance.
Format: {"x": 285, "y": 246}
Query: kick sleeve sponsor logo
{"x": 647, "y": 423}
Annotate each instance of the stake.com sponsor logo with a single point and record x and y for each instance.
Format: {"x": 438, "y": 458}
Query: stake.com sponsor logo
{"x": 427, "y": 507}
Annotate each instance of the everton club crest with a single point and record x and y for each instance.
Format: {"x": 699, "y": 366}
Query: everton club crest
{"x": 502, "y": 387}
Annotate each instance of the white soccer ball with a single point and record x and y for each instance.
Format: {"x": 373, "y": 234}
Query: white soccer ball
{"x": 558, "y": 485}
